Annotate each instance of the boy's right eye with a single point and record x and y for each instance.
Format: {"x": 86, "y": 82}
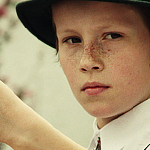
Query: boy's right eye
{"x": 72, "y": 40}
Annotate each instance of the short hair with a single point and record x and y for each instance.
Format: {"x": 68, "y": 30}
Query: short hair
{"x": 145, "y": 12}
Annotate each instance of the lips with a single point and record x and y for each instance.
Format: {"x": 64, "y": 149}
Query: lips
{"x": 94, "y": 88}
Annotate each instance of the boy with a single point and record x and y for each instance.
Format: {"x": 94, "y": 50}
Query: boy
{"x": 104, "y": 50}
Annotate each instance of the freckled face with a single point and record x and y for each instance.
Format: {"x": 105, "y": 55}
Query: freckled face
{"x": 107, "y": 45}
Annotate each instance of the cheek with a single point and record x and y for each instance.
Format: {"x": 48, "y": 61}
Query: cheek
{"x": 131, "y": 72}
{"x": 125, "y": 69}
{"x": 69, "y": 66}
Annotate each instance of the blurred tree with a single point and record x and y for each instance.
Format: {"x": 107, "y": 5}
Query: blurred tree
{"x": 8, "y": 22}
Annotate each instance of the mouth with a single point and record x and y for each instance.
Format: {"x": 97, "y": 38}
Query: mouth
{"x": 94, "y": 88}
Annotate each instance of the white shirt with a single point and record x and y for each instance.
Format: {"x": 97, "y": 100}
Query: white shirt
{"x": 130, "y": 131}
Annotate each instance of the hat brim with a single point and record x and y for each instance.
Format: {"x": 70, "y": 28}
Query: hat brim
{"x": 37, "y": 18}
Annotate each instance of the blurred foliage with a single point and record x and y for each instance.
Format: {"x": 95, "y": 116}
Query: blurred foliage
{"x": 8, "y": 22}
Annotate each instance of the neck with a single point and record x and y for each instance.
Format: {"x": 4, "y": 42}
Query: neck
{"x": 101, "y": 122}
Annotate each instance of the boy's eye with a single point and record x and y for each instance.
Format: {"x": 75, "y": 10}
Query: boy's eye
{"x": 113, "y": 36}
{"x": 72, "y": 40}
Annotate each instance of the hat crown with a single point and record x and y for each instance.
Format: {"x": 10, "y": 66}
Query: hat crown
{"x": 37, "y": 18}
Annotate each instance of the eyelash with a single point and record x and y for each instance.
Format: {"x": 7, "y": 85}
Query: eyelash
{"x": 106, "y": 36}
{"x": 78, "y": 40}
{"x": 113, "y": 35}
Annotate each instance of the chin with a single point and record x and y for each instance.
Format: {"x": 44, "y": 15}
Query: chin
{"x": 103, "y": 112}
{"x": 97, "y": 112}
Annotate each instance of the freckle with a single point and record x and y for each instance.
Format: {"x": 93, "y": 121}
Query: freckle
{"x": 104, "y": 52}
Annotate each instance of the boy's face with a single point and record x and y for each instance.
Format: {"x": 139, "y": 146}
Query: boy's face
{"x": 104, "y": 50}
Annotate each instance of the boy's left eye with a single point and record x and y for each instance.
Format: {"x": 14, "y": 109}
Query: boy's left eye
{"x": 113, "y": 36}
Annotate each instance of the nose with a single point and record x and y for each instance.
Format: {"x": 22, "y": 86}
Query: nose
{"x": 91, "y": 60}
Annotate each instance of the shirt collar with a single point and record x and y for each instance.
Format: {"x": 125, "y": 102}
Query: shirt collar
{"x": 122, "y": 130}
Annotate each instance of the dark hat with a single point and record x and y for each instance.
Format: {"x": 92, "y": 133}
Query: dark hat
{"x": 36, "y": 16}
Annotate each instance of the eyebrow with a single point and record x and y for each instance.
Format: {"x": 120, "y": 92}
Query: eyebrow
{"x": 97, "y": 28}
{"x": 101, "y": 27}
{"x": 71, "y": 30}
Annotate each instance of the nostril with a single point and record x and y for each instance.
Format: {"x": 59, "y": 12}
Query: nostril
{"x": 95, "y": 68}
{"x": 83, "y": 69}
